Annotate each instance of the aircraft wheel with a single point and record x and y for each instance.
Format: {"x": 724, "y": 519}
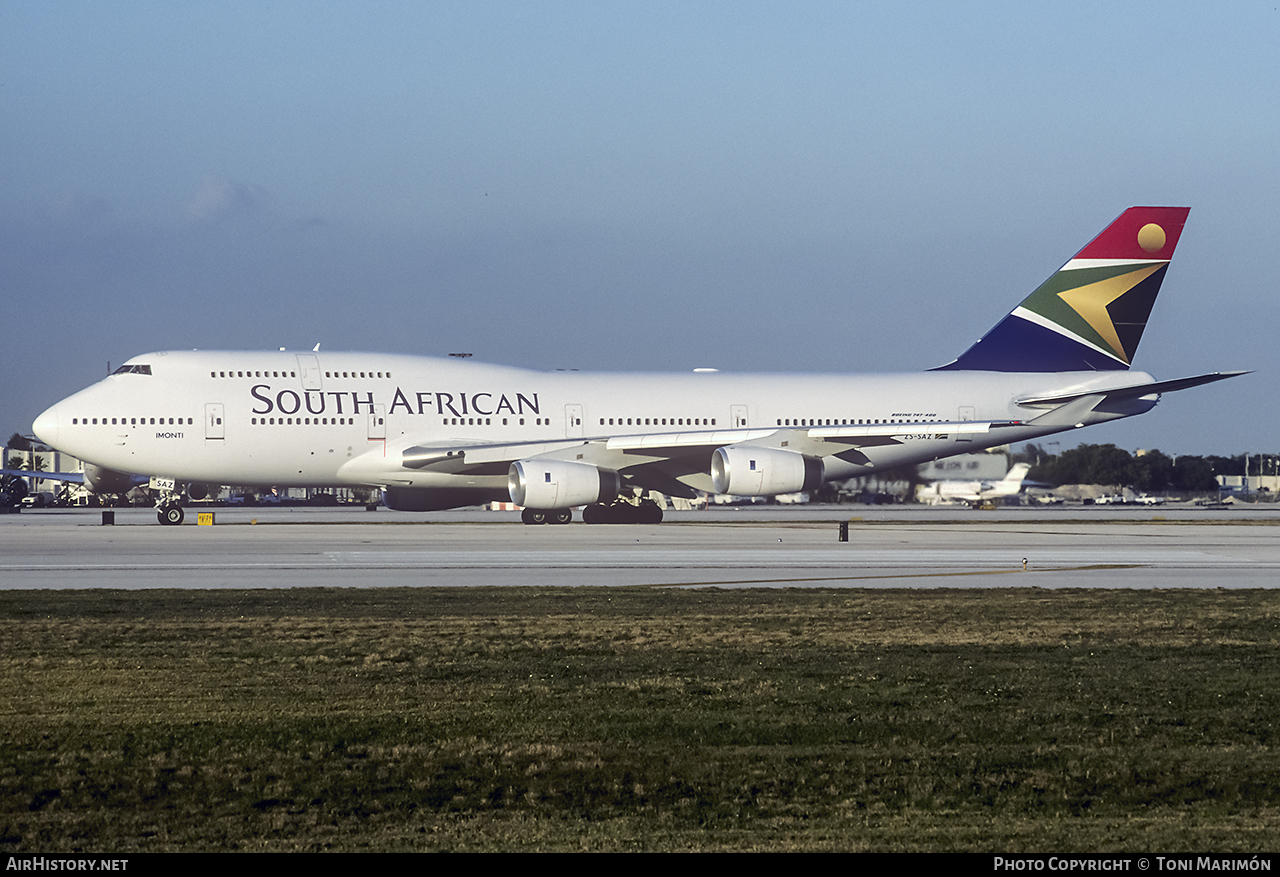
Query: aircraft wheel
{"x": 649, "y": 513}
{"x": 599, "y": 513}
{"x": 533, "y": 516}
{"x": 171, "y": 515}
{"x": 614, "y": 513}
{"x": 624, "y": 513}
{"x": 560, "y": 516}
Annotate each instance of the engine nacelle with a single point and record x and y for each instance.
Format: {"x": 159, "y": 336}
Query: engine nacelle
{"x": 559, "y": 484}
{"x": 748, "y": 471}
{"x": 432, "y": 499}
{"x": 100, "y": 479}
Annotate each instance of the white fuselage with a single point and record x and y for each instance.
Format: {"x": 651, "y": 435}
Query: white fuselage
{"x": 332, "y": 419}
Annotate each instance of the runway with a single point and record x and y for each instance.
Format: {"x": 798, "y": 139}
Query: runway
{"x": 889, "y": 547}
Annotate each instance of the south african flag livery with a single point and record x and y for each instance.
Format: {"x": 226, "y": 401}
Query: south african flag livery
{"x": 1089, "y": 316}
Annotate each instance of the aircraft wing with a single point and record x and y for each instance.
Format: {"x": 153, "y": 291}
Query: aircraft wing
{"x": 675, "y": 463}
{"x": 77, "y": 477}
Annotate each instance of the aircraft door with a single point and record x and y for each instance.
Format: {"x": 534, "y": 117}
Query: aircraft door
{"x": 309, "y": 370}
{"x": 213, "y": 426}
{"x": 966, "y": 412}
{"x": 738, "y": 415}
{"x": 573, "y": 421}
{"x": 378, "y": 423}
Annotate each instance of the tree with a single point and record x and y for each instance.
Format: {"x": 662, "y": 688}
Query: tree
{"x": 1109, "y": 465}
{"x": 34, "y": 462}
{"x": 1226, "y": 465}
{"x": 1153, "y": 471}
{"x": 1193, "y": 473}
{"x": 1087, "y": 464}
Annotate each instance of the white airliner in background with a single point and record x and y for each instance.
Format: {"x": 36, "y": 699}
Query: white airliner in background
{"x": 441, "y": 433}
{"x": 975, "y": 493}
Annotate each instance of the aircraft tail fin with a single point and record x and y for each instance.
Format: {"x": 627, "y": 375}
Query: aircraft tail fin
{"x": 1091, "y": 313}
{"x": 1016, "y": 475}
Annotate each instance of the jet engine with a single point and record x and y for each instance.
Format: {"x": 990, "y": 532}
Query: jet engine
{"x": 750, "y": 471}
{"x": 559, "y": 484}
{"x": 433, "y": 499}
{"x": 103, "y": 480}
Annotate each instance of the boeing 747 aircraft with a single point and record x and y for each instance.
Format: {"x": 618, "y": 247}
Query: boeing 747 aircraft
{"x": 441, "y": 433}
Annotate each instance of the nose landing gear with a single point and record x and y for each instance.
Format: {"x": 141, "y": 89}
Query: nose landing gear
{"x": 170, "y": 515}
{"x": 169, "y": 503}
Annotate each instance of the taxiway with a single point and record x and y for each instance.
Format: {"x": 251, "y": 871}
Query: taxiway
{"x": 739, "y": 547}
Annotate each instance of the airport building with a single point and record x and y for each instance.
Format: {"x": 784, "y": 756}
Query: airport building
{"x": 1250, "y": 483}
{"x": 967, "y": 467}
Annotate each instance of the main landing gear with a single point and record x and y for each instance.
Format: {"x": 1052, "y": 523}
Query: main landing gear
{"x": 620, "y": 511}
{"x": 546, "y": 516}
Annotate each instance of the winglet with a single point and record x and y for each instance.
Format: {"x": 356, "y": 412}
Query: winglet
{"x": 1091, "y": 313}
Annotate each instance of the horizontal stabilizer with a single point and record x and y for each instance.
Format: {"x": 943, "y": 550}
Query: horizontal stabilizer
{"x": 1134, "y": 390}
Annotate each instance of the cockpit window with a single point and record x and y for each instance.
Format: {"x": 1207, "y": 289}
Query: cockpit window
{"x": 133, "y": 370}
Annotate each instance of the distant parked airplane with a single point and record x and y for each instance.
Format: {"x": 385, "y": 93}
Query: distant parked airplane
{"x": 975, "y": 493}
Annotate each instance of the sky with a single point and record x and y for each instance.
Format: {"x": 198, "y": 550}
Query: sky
{"x": 617, "y": 186}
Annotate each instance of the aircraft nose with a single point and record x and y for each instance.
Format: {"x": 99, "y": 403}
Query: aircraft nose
{"x": 46, "y": 426}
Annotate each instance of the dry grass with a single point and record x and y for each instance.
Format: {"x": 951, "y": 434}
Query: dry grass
{"x": 651, "y": 719}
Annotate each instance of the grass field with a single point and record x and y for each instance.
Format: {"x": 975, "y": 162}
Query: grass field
{"x": 647, "y": 719}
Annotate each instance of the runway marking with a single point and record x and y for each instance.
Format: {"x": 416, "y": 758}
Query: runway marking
{"x": 844, "y": 564}
{"x": 660, "y": 557}
{"x": 923, "y": 575}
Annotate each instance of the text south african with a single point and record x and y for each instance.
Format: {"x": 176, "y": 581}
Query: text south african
{"x": 458, "y": 404}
